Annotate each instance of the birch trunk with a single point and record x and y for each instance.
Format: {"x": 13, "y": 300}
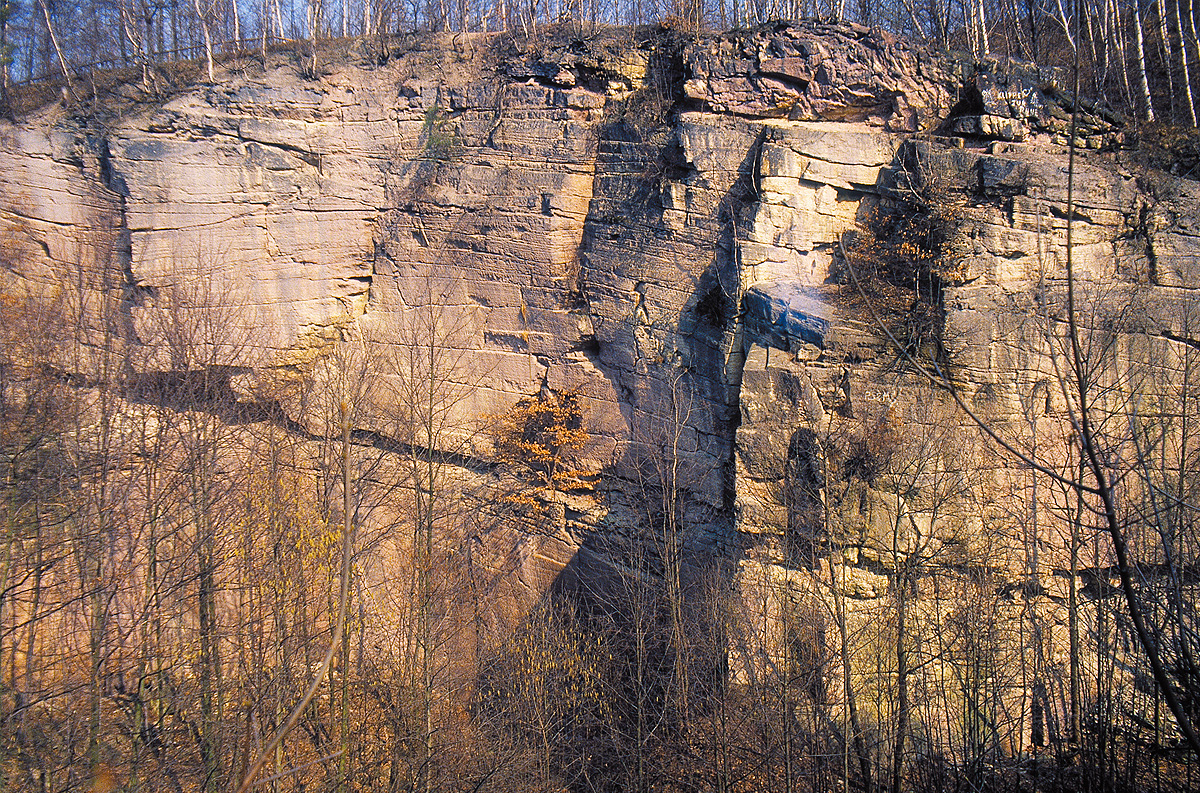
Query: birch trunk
{"x": 62, "y": 61}
{"x": 1165, "y": 43}
{"x": 208, "y": 53}
{"x": 1183, "y": 61}
{"x": 1190, "y": 28}
{"x": 1143, "y": 83}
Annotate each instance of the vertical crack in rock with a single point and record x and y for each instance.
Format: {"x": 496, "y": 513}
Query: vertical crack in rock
{"x": 133, "y": 293}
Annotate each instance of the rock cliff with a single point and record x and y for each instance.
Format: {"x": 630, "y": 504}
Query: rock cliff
{"x": 659, "y": 223}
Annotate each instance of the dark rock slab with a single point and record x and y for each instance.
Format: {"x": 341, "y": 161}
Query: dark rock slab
{"x": 785, "y": 315}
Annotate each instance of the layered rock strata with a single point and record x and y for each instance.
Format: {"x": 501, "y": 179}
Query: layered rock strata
{"x": 599, "y": 215}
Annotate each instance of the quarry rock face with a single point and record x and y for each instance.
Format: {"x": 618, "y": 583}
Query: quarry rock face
{"x": 666, "y": 237}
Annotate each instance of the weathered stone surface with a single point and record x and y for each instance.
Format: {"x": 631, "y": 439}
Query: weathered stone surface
{"x": 639, "y": 261}
{"x": 992, "y": 127}
{"x": 1172, "y": 224}
{"x": 57, "y": 215}
{"x": 1008, "y": 101}
{"x": 820, "y": 72}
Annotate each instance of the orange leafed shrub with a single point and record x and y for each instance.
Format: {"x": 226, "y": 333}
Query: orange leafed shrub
{"x": 542, "y": 436}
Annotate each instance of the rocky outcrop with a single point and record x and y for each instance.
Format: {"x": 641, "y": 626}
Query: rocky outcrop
{"x": 852, "y": 467}
{"x": 823, "y": 73}
{"x": 656, "y": 224}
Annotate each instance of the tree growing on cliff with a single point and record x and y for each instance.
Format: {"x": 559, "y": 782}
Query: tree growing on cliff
{"x": 542, "y": 437}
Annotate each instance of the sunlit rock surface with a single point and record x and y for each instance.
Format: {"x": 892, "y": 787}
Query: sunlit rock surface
{"x": 663, "y": 236}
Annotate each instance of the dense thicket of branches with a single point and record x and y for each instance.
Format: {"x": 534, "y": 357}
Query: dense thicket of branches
{"x": 185, "y": 573}
{"x": 1141, "y": 56}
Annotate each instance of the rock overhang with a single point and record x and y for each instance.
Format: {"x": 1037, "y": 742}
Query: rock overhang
{"x": 785, "y": 315}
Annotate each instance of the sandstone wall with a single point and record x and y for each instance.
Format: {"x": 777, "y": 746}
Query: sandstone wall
{"x": 591, "y": 213}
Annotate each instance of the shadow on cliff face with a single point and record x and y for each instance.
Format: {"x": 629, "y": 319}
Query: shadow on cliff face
{"x": 653, "y": 584}
{"x": 650, "y": 589}
{"x": 669, "y": 346}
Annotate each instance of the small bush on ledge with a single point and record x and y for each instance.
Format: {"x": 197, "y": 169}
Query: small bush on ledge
{"x": 540, "y": 439}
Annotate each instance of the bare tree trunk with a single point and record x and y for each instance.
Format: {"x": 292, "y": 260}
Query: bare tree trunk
{"x": 1164, "y": 40}
{"x": 981, "y": 16}
{"x": 1091, "y": 457}
{"x": 335, "y": 641}
{"x": 674, "y": 547}
{"x": 1142, "y": 83}
{"x": 1097, "y": 31}
{"x": 856, "y": 732}
{"x": 902, "y": 670}
{"x": 838, "y": 588}
{"x": 1190, "y": 30}
{"x": 62, "y": 60}
{"x": 314, "y": 27}
{"x": 1183, "y": 60}
{"x": 208, "y": 51}
{"x": 6, "y": 59}
{"x": 1075, "y": 672}
{"x": 1064, "y": 20}
{"x": 1118, "y": 37}
{"x": 210, "y": 658}
{"x": 348, "y": 523}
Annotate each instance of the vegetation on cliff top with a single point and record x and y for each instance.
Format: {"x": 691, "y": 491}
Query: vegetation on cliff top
{"x": 1140, "y": 57}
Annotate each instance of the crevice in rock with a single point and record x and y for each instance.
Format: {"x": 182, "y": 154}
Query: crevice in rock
{"x": 1142, "y": 228}
{"x": 386, "y": 443}
{"x": 16, "y": 213}
{"x": 1061, "y": 213}
{"x": 164, "y": 228}
{"x": 513, "y": 342}
{"x": 589, "y": 347}
{"x": 1175, "y": 337}
{"x": 133, "y": 293}
{"x": 209, "y": 390}
{"x": 309, "y": 157}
